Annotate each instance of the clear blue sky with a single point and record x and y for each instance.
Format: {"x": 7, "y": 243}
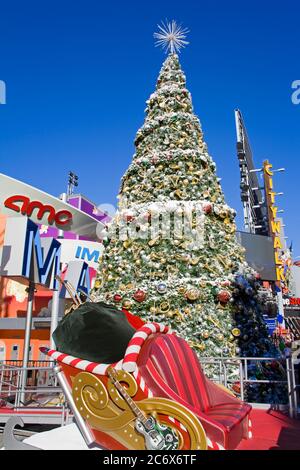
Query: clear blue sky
{"x": 78, "y": 74}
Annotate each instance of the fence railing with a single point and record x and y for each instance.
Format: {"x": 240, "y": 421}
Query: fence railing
{"x": 31, "y": 363}
{"x": 42, "y": 388}
{"x": 228, "y": 371}
{"x": 42, "y": 391}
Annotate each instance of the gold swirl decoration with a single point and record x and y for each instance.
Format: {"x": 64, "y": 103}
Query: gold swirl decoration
{"x": 103, "y": 407}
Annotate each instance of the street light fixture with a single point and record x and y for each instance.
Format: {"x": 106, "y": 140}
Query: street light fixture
{"x": 72, "y": 183}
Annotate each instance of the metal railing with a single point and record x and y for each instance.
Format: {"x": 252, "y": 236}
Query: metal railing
{"x": 42, "y": 391}
{"x": 228, "y": 371}
{"x": 31, "y": 363}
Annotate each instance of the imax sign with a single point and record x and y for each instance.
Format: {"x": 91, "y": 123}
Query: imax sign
{"x": 25, "y": 257}
{"x": 81, "y": 250}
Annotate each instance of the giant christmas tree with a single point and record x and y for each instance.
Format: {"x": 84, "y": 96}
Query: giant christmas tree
{"x": 171, "y": 253}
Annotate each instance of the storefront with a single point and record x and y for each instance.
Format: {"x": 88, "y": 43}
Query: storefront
{"x": 32, "y": 252}
{"x": 292, "y": 316}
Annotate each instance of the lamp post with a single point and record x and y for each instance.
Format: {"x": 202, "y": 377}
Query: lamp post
{"x": 55, "y": 297}
{"x": 72, "y": 182}
{"x": 30, "y": 291}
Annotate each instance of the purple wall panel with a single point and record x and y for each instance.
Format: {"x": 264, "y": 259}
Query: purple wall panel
{"x": 80, "y": 202}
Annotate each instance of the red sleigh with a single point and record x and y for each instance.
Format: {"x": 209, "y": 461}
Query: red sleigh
{"x": 164, "y": 378}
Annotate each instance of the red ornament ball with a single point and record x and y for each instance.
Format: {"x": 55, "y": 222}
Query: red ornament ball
{"x": 139, "y": 295}
{"x": 117, "y": 298}
{"x": 236, "y": 387}
{"x": 207, "y": 208}
{"x": 128, "y": 216}
{"x": 224, "y": 296}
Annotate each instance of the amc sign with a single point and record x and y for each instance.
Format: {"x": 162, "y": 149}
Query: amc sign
{"x": 23, "y": 204}
{"x": 20, "y": 199}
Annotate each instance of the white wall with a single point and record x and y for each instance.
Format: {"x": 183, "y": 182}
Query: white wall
{"x": 295, "y": 281}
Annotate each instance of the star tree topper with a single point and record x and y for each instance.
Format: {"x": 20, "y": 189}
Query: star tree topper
{"x": 171, "y": 36}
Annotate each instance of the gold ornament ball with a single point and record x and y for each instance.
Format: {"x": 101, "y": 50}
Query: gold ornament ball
{"x": 220, "y": 337}
{"x": 164, "y": 307}
{"x": 126, "y": 244}
{"x": 182, "y": 290}
{"x": 152, "y": 310}
{"x": 192, "y": 295}
{"x": 236, "y": 332}
{"x": 205, "y": 334}
{"x": 127, "y": 304}
{"x": 98, "y": 284}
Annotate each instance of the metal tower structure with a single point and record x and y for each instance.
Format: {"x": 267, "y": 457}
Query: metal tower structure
{"x": 252, "y": 195}
{"x": 260, "y": 208}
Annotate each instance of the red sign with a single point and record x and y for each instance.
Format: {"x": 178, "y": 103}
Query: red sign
{"x": 291, "y": 302}
{"x": 63, "y": 217}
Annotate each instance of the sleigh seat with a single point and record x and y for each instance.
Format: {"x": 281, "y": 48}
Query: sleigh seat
{"x": 171, "y": 369}
{"x": 163, "y": 377}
